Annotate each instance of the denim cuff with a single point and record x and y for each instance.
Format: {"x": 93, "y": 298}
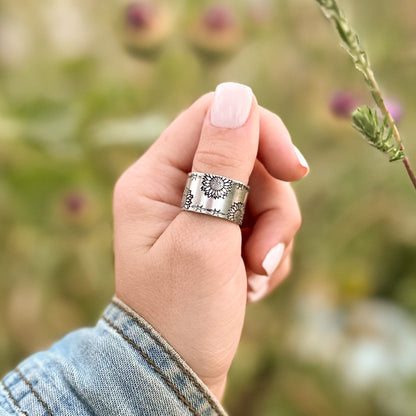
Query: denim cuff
{"x": 122, "y": 366}
{"x": 162, "y": 359}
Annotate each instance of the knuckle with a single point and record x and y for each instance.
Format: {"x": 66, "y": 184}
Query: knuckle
{"x": 119, "y": 188}
{"x": 120, "y": 191}
{"x": 296, "y": 218}
{"x": 126, "y": 199}
{"x": 219, "y": 156}
{"x": 292, "y": 210}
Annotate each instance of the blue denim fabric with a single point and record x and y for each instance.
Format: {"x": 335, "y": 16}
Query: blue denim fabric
{"x": 120, "y": 367}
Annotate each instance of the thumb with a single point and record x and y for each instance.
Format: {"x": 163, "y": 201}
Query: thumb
{"x": 230, "y": 134}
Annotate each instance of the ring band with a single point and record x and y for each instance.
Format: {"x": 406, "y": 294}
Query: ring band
{"x": 215, "y": 195}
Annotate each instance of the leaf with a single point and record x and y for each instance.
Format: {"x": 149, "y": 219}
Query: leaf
{"x": 377, "y": 132}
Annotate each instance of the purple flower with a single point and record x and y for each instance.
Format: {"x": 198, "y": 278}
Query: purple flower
{"x": 216, "y": 33}
{"x": 75, "y": 203}
{"x": 147, "y": 27}
{"x": 218, "y": 17}
{"x": 140, "y": 15}
{"x": 343, "y": 103}
{"x": 395, "y": 109}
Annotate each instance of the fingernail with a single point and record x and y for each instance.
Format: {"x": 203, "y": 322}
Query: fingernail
{"x": 231, "y": 106}
{"x": 301, "y": 158}
{"x": 258, "y": 281}
{"x": 273, "y": 258}
{"x": 259, "y": 286}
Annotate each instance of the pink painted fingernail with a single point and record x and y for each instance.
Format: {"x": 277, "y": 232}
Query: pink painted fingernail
{"x": 273, "y": 258}
{"x": 231, "y": 106}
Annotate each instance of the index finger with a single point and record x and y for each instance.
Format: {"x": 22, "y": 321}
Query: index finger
{"x": 277, "y": 152}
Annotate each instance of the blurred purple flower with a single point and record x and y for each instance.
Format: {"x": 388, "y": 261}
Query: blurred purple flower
{"x": 75, "y": 202}
{"x": 140, "y": 15}
{"x": 147, "y": 27}
{"x": 395, "y": 109}
{"x": 216, "y": 33}
{"x": 218, "y": 17}
{"x": 343, "y": 103}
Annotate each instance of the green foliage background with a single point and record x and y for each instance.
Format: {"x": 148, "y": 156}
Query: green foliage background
{"x": 76, "y": 109}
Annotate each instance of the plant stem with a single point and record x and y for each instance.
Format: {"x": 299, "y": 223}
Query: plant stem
{"x": 352, "y": 44}
{"x": 409, "y": 171}
{"x": 378, "y": 98}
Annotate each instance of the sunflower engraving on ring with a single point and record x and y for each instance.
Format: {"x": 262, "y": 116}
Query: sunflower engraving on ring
{"x": 216, "y": 187}
{"x": 236, "y": 212}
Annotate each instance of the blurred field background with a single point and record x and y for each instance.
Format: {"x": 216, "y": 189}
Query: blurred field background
{"x": 84, "y": 91}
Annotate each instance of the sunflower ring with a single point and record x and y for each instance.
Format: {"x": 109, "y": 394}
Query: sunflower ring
{"x": 215, "y": 195}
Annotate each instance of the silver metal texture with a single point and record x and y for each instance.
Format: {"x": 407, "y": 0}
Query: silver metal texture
{"x": 215, "y": 195}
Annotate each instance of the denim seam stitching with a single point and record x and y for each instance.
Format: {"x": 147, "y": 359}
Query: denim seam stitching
{"x": 35, "y": 393}
{"x": 11, "y": 397}
{"x": 149, "y": 360}
{"x": 178, "y": 363}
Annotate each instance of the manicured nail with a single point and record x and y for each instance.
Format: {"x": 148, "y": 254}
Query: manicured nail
{"x": 301, "y": 158}
{"x": 259, "y": 286}
{"x": 231, "y": 106}
{"x": 273, "y": 259}
{"x": 257, "y": 281}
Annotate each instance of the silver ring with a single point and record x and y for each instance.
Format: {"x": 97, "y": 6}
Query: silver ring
{"x": 215, "y": 195}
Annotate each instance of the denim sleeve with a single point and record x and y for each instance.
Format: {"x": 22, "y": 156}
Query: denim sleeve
{"x": 122, "y": 366}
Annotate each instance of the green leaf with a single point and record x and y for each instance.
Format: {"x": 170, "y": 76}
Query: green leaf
{"x": 377, "y": 132}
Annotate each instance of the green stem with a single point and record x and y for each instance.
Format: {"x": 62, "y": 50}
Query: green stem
{"x": 378, "y": 98}
{"x": 352, "y": 44}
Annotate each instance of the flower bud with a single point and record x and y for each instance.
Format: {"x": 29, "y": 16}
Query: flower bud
{"x": 216, "y": 32}
{"x": 74, "y": 203}
{"x": 147, "y": 26}
{"x": 139, "y": 16}
{"x": 76, "y": 208}
{"x": 343, "y": 104}
{"x": 218, "y": 18}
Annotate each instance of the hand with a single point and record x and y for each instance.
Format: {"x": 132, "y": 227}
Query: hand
{"x": 190, "y": 274}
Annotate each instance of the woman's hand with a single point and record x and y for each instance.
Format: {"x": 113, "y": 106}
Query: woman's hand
{"x": 189, "y": 274}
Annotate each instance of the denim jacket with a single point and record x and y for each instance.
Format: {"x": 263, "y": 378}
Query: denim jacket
{"x": 122, "y": 366}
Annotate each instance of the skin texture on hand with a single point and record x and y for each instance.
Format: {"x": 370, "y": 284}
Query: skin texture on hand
{"x": 190, "y": 275}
